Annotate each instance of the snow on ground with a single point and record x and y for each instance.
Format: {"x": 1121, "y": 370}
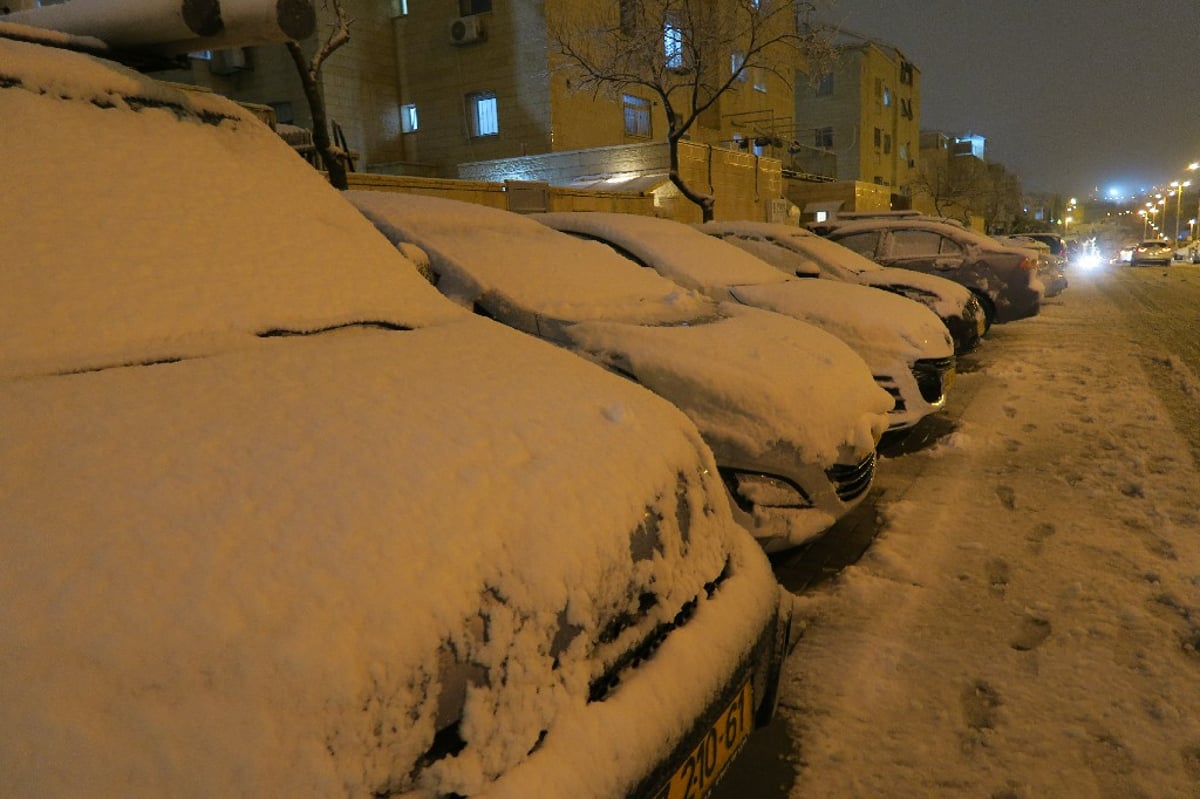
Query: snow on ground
{"x": 1028, "y": 622}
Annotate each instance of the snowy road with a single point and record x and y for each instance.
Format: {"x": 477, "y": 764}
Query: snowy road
{"x": 1027, "y": 623}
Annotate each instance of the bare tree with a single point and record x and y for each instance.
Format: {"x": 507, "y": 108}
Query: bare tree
{"x": 957, "y": 186}
{"x": 333, "y": 157}
{"x": 687, "y": 53}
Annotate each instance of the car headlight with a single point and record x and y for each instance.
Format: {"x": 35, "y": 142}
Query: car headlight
{"x": 764, "y": 490}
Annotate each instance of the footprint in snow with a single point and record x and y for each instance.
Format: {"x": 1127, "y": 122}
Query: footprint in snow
{"x": 979, "y": 704}
{"x": 1008, "y": 497}
{"x": 1031, "y": 634}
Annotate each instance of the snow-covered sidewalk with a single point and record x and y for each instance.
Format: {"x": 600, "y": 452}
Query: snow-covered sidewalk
{"x": 1028, "y": 622}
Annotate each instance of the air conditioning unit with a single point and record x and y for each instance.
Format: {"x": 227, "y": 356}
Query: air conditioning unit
{"x": 466, "y": 30}
{"x": 228, "y": 62}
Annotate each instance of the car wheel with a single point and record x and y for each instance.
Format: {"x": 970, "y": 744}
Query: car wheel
{"x": 989, "y": 309}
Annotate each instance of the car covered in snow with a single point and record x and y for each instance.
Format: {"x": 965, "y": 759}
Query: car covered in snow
{"x": 279, "y": 519}
{"x": 790, "y": 411}
{"x": 802, "y": 253}
{"x": 906, "y": 346}
{"x": 1004, "y": 279}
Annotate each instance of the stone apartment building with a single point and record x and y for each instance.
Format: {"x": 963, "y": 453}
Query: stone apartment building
{"x": 860, "y": 124}
{"x": 469, "y": 89}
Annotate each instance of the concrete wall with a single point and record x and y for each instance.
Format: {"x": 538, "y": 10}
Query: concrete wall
{"x": 497, "y": 195}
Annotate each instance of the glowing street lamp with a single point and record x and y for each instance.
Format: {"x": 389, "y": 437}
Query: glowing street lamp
{"x": 1178, "y": 203}
{"x": 1193, "y": 167}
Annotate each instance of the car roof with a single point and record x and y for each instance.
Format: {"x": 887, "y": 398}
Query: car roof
{"x": 677, "y": 250}
{"x": 538, "y": 269}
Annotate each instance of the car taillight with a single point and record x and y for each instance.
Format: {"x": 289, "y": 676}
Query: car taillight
{"x": 1028, "y": 263}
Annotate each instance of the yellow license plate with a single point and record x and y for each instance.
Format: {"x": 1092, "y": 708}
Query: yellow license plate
{"x": 707, "y": 762}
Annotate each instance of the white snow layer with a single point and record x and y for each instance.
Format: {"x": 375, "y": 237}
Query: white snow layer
{"x": 1027, "y": 624}
{"x": 185, "y": 206}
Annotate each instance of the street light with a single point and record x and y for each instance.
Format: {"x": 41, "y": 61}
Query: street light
{"x": 1193, "y": 167}
{"x": 1178, "y": 203}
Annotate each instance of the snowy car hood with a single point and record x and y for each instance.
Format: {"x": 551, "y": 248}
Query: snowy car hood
{"x": 675, "y": 250}
{"x": 476, "y": 250}
{"x": 263, "y": 551}
{"x": 948, "y": 298}
{"x": 868, "y": 320}
{"x": 194, "y": 202}
{"x": 752, "y": 380}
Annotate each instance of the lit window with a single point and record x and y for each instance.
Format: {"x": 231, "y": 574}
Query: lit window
{"x": 673, "y": 44}
{"x": 408, "y": 117}
{"x": 736, "y": 61}
{"x": 887, "y": 97}
{"x": 483, "y": 112}
{"x": 637, "y": 115}
{"x": 399, "y": 8}
{"x": 760, "y": 79}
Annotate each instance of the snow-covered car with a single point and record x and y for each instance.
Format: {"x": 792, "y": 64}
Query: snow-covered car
{"x": 278, "y": 519}
{"x": 1005, "y": 279}
{"x": 790, "y": 411}
{"x": 1152, "y": 251}
{"x": 1050, "y": 266}
{"x": 906, "y": 346}
{"x": 805, "y": 254}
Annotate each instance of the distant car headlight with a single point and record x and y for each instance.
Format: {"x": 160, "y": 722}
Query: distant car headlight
{"x": 1089, "y": 260}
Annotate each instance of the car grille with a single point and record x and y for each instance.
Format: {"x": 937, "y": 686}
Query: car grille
{"x": 888, "y": 385}
{"x": 931, "y": 377}
{"x": 852, "y": 480}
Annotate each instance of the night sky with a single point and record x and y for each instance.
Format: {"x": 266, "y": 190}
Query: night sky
{"x": 1071, "y": 95}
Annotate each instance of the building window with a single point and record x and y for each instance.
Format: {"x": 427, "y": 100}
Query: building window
{"x": 887, "y": 143}
{"x": 904, "y": 152}
{"x": 630, "y": 16}
{"x": 283, "y": 112}
{"x": 824, "y": 138}
{"x": 825, "y": 85}
{"x": 483, "y": 113}
{"x": 887, "y": 97}
{"x": 878, "y": 138}
{"x": 468, "y": 7}
{"x": 906, "y": 73}
{"x": 673, "y": 43}
{"x": 736, "y": 61}
{"x": 906, "y": 108}
{"x": 408, "y": 117}
{"x": 399, "y": 8}
{"x": 637, "y": 116}
{"x": 760, "y": 79}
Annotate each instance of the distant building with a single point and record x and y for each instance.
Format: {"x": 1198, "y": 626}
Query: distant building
{"x": 862, "y": 119}
{"x": 468, "y": 90}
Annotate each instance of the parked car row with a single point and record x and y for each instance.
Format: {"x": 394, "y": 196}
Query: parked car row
{"x": 385, "y": 494}
{"x": 278, "y": 517}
